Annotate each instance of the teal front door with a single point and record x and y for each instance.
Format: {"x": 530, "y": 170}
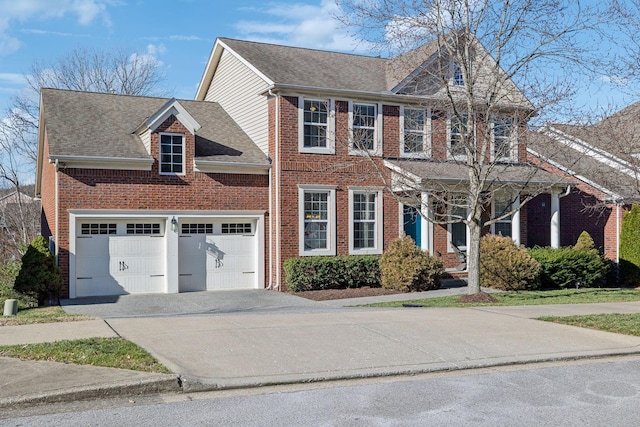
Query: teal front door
{"x": 412, "y": 224}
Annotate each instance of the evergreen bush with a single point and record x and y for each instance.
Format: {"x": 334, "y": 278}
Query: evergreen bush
{"x": 39, "y": 276}
{"x": 630, "y": 247}
{"x": 503, "y": 265}
{"x": 570, "y": 267}
{"x": 340, "y": 272}
{"x": 584, "y": 241}
{"x": 405, "y": 267}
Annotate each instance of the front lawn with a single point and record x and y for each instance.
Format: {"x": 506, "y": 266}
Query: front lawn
{"x": 628, "y": 324}
{"x": 562, "y": 296}
{"x": 107, "y": 352}
{"x": 33, "y": 315}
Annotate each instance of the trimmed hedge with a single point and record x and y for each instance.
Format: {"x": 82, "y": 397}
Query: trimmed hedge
{"x": 570, "y": 267}
{"x": 340, "y": 272}
{"x": 630, "y": 247}
{"x": 407, "y": 268}
{"x": 505, "y": 266}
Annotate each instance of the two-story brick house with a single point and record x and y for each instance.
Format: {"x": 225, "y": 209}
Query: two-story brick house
{"x": 285, "y": 152}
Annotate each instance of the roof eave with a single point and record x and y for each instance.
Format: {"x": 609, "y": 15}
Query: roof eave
{"x": 90, "y": 162}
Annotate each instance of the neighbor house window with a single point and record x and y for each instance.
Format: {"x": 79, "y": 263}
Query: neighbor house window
{"x": 317, "y": 220}
{"x": 458, "y": 128}
{"x": 171, "y": 153}
{"x": 414, "y": 132}
{"x": 502, "y": 206}
{"x": 457, "y": 78}
{"x": 316, "y": 125}
{"x": 363, "y": 126}
{"x": 457, "y": 229}
{"x": 503, "y": 134}
{"x": 366, "y": 221}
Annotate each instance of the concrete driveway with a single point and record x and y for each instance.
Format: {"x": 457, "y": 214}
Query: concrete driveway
{"x": 192, "y": 303}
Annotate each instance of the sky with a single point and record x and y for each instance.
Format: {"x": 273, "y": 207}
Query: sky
{"x": 179, "y": 34}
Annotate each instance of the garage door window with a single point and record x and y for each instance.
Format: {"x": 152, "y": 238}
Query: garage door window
{"x": 98, "y": 228}
{"x": 143, "y": 229}
{"x": 242, "y": 228}
{"x": 197, "y": 228}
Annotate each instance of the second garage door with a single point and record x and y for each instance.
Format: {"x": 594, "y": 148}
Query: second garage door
{"x": 217, "y": 255}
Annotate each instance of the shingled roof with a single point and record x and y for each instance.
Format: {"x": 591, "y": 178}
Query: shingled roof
{"x": 98, "y": 125}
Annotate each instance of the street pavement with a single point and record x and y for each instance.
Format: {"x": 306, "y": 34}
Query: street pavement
{"x": 290, "y": 340}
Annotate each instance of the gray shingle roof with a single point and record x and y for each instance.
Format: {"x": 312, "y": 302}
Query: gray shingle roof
{"x": 90, "y": 124}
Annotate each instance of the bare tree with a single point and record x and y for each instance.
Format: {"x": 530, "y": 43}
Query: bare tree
{"x": 464, "y": 59}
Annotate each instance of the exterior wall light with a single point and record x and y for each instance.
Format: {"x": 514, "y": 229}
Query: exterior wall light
{"x": 174, "y": 224}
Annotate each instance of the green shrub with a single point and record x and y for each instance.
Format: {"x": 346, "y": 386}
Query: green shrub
{"x": 341, "y": 272}
{"x": 570, "y": 267}
{"x": 407, "y": 268}
{"x": 503, "y": 265}
{"x": 630, "y": 247}
{"x": 584, "y": 241}
{"x": 39, "y": 276}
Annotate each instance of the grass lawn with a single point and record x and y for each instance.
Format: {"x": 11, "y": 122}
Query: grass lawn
{"x": 563, "y": 296}
{"x": 628, "y": 324}
{"x": 108, "y": 352}
{"x": 27, "y": 316}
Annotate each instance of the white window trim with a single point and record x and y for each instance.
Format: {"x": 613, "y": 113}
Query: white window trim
{"x": 184, "y": 154}
{"x": 452, "y": 80}
{"x": 426, "y": 132}
{"x": 459, "y": 157}
{"x": 331, "y": 139}
{"x": 449, "y": 234}
{"x": 377, "y": 140}
{"x": 513, "y": 153}
{"x": 508, "y": 219}
{"x": 331, "y": 219}
{"x": 377, "y": 249}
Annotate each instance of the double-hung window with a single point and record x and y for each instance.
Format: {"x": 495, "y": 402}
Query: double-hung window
{"x": 458, "y": 206}
{"x": 365, "y": 215}
{"x": 363, "y": 130}
{"x": 316, "y": 125}
{"x": 414, "y": 132}
{"x": 501, "y": 206}
{"x": 317, "y": 220}
{"x": 503, "y": 134}
{"x": 458, "y": 130}
{"x": 457, "y": 77}
{"x": 171, "y": 154}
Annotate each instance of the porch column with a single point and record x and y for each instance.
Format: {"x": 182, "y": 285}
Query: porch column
{"x": 515, "y": 219}
{"x": 426, "y": 240}
{"x": 555, "y": 219}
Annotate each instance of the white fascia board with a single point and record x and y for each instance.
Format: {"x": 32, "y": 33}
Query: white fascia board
{"x": 397, "y": 169}
{"x": 218, "y": 48}
{"x": 614, "y": 196}
{"x": 42, "y": 129}
{"x": 174, "y": 107}
{"x": 86, "y": 162}
{"x": 128, "y": 213}
{"x": 207, "y": 166}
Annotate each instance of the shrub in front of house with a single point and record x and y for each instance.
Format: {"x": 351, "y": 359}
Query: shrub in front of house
{"x": 339, "y": 272}
{"x": 569, "y": 267}
{"x": 505, "y": 266}
{"x": 407, "y": 268}
{"x": 630, "y": 247}
{"x": 39, "y": 276}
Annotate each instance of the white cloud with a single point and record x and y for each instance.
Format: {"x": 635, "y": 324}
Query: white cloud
{"x": 150, "y": 56}
{"x": 12, "y": 79}
{"x": 300, "y": 25}
{"x": 86, "y": 11}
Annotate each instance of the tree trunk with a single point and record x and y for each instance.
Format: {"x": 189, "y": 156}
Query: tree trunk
{"x": 473, "y": 257}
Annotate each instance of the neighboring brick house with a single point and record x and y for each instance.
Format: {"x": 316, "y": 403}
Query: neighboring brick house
{"x": 285, "y": 152}
{"x": 602, "y": 160}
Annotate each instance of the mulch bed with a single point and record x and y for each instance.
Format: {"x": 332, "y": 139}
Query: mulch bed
{"x": 328, "y": 294}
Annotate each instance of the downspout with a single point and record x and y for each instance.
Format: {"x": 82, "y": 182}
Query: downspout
{"x": 618, "y": 235}
{"x": 276, "y": 286}
{"x": 57, "y": 210}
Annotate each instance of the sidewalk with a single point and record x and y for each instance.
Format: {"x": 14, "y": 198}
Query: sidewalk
{"x": 249, "y": 350}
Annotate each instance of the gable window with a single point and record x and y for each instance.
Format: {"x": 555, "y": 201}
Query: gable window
{"x": 171, "y": 154}
{"x": 363, "y": 127}
{"x": 502, "y": 205}
{"x": 503, "y": 138}
{"x": 414, "y": 135}
{"x": 316, "y": 125}
{"x": 457, "y": 77}
{"x": 457, "y": 229}
{"x": 317, "y": 220}
{"x": 365, "y": 212}
{"x": 458, "y": 128}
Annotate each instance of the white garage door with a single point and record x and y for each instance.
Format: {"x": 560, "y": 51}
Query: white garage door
{"x": 119, "y": 257}
{"x": 217, "y": 255}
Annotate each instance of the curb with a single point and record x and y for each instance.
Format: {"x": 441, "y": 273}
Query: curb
{"x": 138, "y": 388}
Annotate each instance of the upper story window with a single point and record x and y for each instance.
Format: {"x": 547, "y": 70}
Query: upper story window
{"x": 365, "y": 212}
{"x": 317, "y": 220}
{"x": 171, "y": 154}
{"x": 457, "y": 77}
{"x": 316, "y": 127}
{"x": 414, "y": 132}
{"x": 503, "y": 138}
{"x": 363, "y": 127}
{"x": 458, "y": 130}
